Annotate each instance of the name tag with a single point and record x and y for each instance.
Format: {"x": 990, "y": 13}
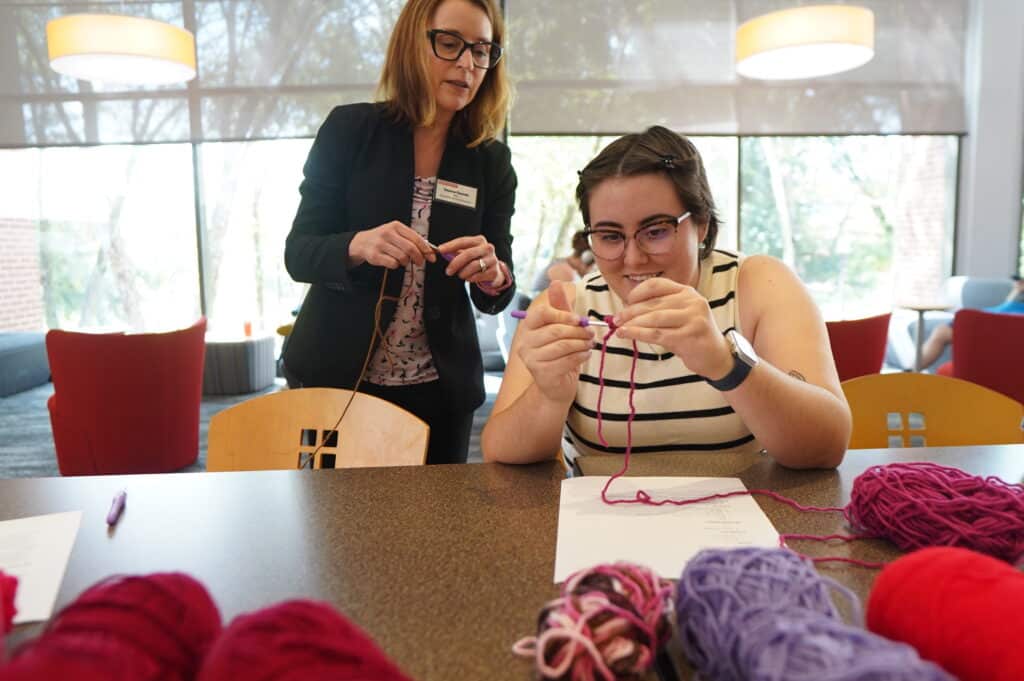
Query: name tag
{"x": 455, "y": 193}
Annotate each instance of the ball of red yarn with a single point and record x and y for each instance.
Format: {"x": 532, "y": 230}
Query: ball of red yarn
{"x": 609, "y": 623}
{"x": 297, "y": 641}
{"x": 915, "y": 505}
{"x": 147, "y": 627}
{"x": 958, "y": 608}
{"x": 8, "y": 587}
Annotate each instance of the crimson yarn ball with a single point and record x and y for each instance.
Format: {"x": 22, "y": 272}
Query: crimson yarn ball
{"x": 297, "y": 640}
{"x": 144, "y": 628}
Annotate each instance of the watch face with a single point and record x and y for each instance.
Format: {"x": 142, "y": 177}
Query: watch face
{"x": 744, "y": 350}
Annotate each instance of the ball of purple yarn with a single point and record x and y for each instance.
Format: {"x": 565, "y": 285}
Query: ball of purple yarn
{"x": 801, "y": 645}
{"x": 719, "y": 585}
{"x": 766, "y": 615}
{"x": 915, "y": 505}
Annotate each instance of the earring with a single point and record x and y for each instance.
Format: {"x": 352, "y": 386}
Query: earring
{"x": 701, "y": 246}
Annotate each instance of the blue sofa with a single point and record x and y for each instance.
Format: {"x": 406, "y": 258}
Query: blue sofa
{"x": 23, "y": 362}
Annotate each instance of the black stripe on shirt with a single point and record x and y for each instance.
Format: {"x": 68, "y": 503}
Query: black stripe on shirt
{"x": 727, "y": 266}
{"x": 719, "y": 302}
{"x": 597, "y": 287}
{"x": 688, "y": 447}
{"x": 657, "y": 416}
{"x": 664, "y": 383}
{"x": 651, "y": 356}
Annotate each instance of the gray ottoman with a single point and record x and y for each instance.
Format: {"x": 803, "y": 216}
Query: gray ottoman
{"x": 23, "y": 362}
{"x": 236, "y": 367}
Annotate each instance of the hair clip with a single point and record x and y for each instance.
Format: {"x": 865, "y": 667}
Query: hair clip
{"x": 668, "y": 161}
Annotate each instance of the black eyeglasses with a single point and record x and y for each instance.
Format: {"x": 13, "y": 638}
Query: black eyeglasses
{"x": 450, "y": 46}
{"x": 655, "y": 238}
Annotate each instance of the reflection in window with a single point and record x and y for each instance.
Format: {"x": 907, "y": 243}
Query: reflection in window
{"x": 546, "y": 214}
{"x": 108, "y": 231}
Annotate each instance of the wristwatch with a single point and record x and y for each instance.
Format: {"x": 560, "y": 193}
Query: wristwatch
{"x": 744, "y": 359}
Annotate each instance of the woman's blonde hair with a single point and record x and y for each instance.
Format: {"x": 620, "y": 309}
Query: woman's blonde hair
{"x": 404, "y": 82}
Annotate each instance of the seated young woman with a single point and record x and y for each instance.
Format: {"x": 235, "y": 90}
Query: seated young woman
{"x": 732, "y": 354}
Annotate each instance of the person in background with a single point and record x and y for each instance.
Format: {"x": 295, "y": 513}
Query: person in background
{"x": 942, "y": 335}
{"x": 569, "y": 268}
{"x": 382, "y": 179}
{"x": 733, "y": 354}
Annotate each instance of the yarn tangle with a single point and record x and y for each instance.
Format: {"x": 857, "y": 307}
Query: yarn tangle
{"x": 609, "y": 623}
{"x": 755, "y": 614}
{"x": 911, "y": 504}
{"x": 958, "y": 608}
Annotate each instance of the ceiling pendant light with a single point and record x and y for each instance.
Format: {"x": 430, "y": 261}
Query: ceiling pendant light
{"x": 805, "y": 42}
{"x": 113, "y": 48}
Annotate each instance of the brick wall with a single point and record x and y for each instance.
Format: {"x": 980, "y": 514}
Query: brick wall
{"x": 21, "y": 288}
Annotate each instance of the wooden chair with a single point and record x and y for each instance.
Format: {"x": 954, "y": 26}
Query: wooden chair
{"x": 283, "y": 430}
{"x": 858, "y": 345}
{"x": 924, "y": 410}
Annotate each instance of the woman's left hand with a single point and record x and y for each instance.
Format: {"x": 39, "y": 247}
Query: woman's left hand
{"x": 678, "y": 318}
{"x": 474, "y": 261}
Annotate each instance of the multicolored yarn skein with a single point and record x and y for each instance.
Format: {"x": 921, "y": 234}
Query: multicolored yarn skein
{"x": 958, "y": 608}
{"x": 756, "y": 614}
{"x": 152, "y": 627}
{"x": 297, "y": 640}
{"x": 608, "y": 624}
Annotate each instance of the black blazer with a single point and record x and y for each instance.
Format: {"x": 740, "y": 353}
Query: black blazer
{"x": 359, "y": 175}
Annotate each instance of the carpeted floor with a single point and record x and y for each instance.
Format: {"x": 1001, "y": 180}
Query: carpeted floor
{"x": 26, "y": 441}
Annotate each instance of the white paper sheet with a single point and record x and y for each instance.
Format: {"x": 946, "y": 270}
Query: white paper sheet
{"x": 664, "y": 538}
{"x": 36, "y": 551}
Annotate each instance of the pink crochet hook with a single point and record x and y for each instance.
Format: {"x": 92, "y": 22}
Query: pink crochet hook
{"x": 584, "y": 321}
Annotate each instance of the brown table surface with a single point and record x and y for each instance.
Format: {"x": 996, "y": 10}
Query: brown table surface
{"x": 445, "y": 566}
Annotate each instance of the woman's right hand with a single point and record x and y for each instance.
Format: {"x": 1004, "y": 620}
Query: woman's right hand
{"x": 554, "y": 346}
{"x": 391, "y": 245}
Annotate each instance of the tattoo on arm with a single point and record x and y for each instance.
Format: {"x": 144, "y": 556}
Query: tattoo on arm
{"x": 797, "y": 375}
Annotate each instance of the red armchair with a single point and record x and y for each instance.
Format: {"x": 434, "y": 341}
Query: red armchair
{"x": 126, "y": 403}
{"x": 858, "y": 345}
{"x": 987, "y": 350}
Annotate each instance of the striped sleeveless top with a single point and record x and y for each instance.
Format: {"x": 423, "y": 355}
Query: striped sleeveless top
{"x": 676, "y": 410}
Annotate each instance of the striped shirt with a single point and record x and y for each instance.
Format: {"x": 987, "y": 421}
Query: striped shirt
{"x": 676, "y": 410}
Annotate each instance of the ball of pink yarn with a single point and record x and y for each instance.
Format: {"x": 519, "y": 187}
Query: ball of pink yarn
{"x": 915, "y": 505}
{"x": 144, "y": 628}
{"x": 297, "y": 641}
{"x": 609, "y": 623}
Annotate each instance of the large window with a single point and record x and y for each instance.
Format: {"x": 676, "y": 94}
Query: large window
{"x": 866, "y": 221}
{"x": 111, "y": 233}
{"x": 250, "y": 194}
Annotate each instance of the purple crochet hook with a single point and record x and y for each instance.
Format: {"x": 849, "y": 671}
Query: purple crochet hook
{"x": 584, "y": 321}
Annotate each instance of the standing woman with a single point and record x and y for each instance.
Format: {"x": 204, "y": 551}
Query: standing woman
{"x": 382, "y": 180}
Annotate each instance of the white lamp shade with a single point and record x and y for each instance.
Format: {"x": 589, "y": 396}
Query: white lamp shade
{"x": 805, "y": 42}
{"x": 112, "y": 48}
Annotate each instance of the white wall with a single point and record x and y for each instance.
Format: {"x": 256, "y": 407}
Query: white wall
{"x": 993, "y": 152}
